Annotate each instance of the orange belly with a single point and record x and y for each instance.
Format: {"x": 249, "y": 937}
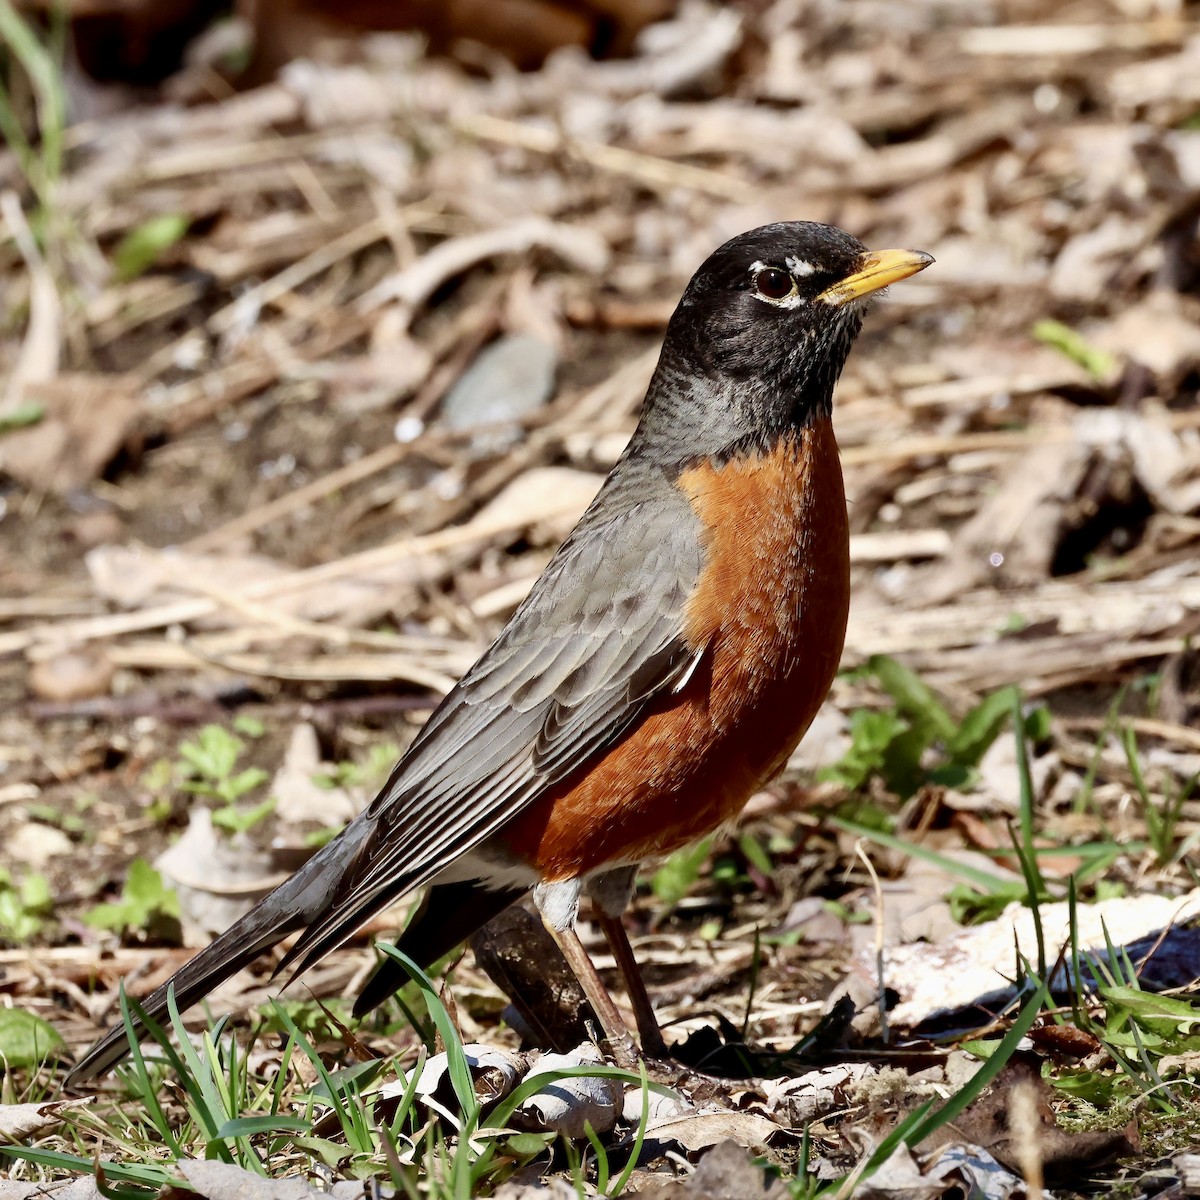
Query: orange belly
{"x": 771, "y": 607}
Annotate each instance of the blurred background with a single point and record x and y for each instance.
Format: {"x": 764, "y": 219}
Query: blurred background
{"x": 320, "y": 324}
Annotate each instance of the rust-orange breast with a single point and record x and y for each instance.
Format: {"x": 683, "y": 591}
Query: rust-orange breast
{"x": 771, "y": 606}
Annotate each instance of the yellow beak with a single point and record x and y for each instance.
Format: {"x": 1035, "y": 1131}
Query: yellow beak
{"x": 877, "y": 269}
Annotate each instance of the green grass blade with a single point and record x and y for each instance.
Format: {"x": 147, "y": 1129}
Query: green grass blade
{"x": 992, "y": 1067}
{"x": 639, "y": 1138}
{"x": 148, "y": 1175}
{"x": 984, "y": 880}
{"x": 456, "y": 1061}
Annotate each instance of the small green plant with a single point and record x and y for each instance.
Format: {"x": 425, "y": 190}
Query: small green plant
{"x": 210, "y": 769}
{"x": 368, "y": 774}
{"x": 249, "y": 726}
{"x": 158, "y": 781}
{"x": 1137, "y": 1030}
{"x": 146, "y": 243}
{"x": 233, "y": 819}
{"x": 316, "y": 1019}
{"x": 146, "y": 904}
{"x": 916, "y": 741}
{"x": 674, "y": 879}
{"x": 1162, "y": 820}
{"x": 1099, "y": 364}
{"x": 259, "y": 1123}
{"x": 211, "y": 760}
{"x": 40, "y": 159}
{"x": 26, "y": 1040}
{"x": 24, "y": 906}
{"x": 71, "y": 820}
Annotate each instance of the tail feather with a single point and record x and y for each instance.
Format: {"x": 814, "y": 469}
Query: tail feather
{"x": 295, "y": 904}
{"x": 236, "y": 948}
{"x": 448, "y": 915}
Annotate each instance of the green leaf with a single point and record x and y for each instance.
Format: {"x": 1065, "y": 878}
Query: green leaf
{"x": 158, "y": 775}
{"x": 330, "y": 1153}
{"x": 26, "y": 1040}
{"x": 1164, "y": 1015}
{"x": 145, "y": 244}
{"x": 248, "y": 726}
{"x": 238, "y": 820}
{"x": 1100, "y": 1089}
{"x": 912, "y": 696}
{"x": 954, "y": 775}
{"x": 35, "y": 893}
{"x": 145, "y": 900}
{"x": 144, "y": 887}
{"x": 23, "y": 908}
{"x": 1037, "y": 724}
{"x": 673, "y": 880}
{"x": 28, "y": 412}
{"x": 980, "y": 727}
{"x": 969, "y": 906}
{"x": 845, "y": 913}
{"x": 269, "y": 1123}
{"x": 213, "y": 754}
{"x": 982, "y": 1048}
{"x": 871, "y": 733}
{"x": 245, "y": 781}
{"x": 901, "y": 768}
{"x": 755, "y": 854}
{"x": 1099, "y": 364}
{"x": 526, "y": 1145}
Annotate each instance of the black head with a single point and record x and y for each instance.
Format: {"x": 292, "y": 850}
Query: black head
{"x": 760, "y": 336}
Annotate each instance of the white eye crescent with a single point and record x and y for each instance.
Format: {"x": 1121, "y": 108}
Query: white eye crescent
{"x": 773, "y": 284}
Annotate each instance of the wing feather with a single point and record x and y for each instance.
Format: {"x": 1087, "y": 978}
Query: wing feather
{"x": 598, "y": 638}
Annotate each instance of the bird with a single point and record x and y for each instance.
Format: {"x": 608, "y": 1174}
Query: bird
{"x": 661, "y": 670}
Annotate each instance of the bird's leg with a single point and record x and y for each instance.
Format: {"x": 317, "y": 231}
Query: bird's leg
{"x": 615, "y": 1033}
{"x": 611, "y": 893}
{"x": 649, "y": 1032}
{"x": 557, "y": 904}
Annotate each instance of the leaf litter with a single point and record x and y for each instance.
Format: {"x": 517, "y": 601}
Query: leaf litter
{"x": 241, "y": 473}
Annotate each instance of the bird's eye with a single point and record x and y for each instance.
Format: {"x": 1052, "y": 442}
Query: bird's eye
{"x": 774, "y": 284}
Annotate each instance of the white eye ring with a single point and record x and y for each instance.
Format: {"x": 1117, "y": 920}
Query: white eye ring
{"x": 769, "y": 282}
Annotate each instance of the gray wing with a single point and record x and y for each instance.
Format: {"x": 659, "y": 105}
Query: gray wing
{"x": 598, "y": 638}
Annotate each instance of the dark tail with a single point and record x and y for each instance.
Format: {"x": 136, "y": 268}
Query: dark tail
{"x": 448, "y": 915}
{"x": 295, "y": 904}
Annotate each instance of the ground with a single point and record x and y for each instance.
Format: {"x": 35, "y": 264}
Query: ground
{"x": 305, "y": 381}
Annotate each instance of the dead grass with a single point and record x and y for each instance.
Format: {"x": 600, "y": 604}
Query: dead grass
{"x": 239, "y": 326}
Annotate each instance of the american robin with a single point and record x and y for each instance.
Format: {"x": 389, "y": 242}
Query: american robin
{"x": 662, "y": 669}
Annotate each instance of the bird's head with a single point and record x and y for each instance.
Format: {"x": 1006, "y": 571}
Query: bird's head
{"x": 764, "y": 327}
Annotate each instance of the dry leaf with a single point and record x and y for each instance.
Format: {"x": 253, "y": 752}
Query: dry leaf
{"x": 225, "y": 1181}
{"x": 697, "y": 1131}
{"x": 726, "y": 1172}
{"x": 28, "y": 1122}
{"x": 216, "y": 881}
{"x": 87, "y": 419}
{"x": 567, "y": 1105}
{"x": 977, "y": 965}
{"x": 297, "y": 797}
